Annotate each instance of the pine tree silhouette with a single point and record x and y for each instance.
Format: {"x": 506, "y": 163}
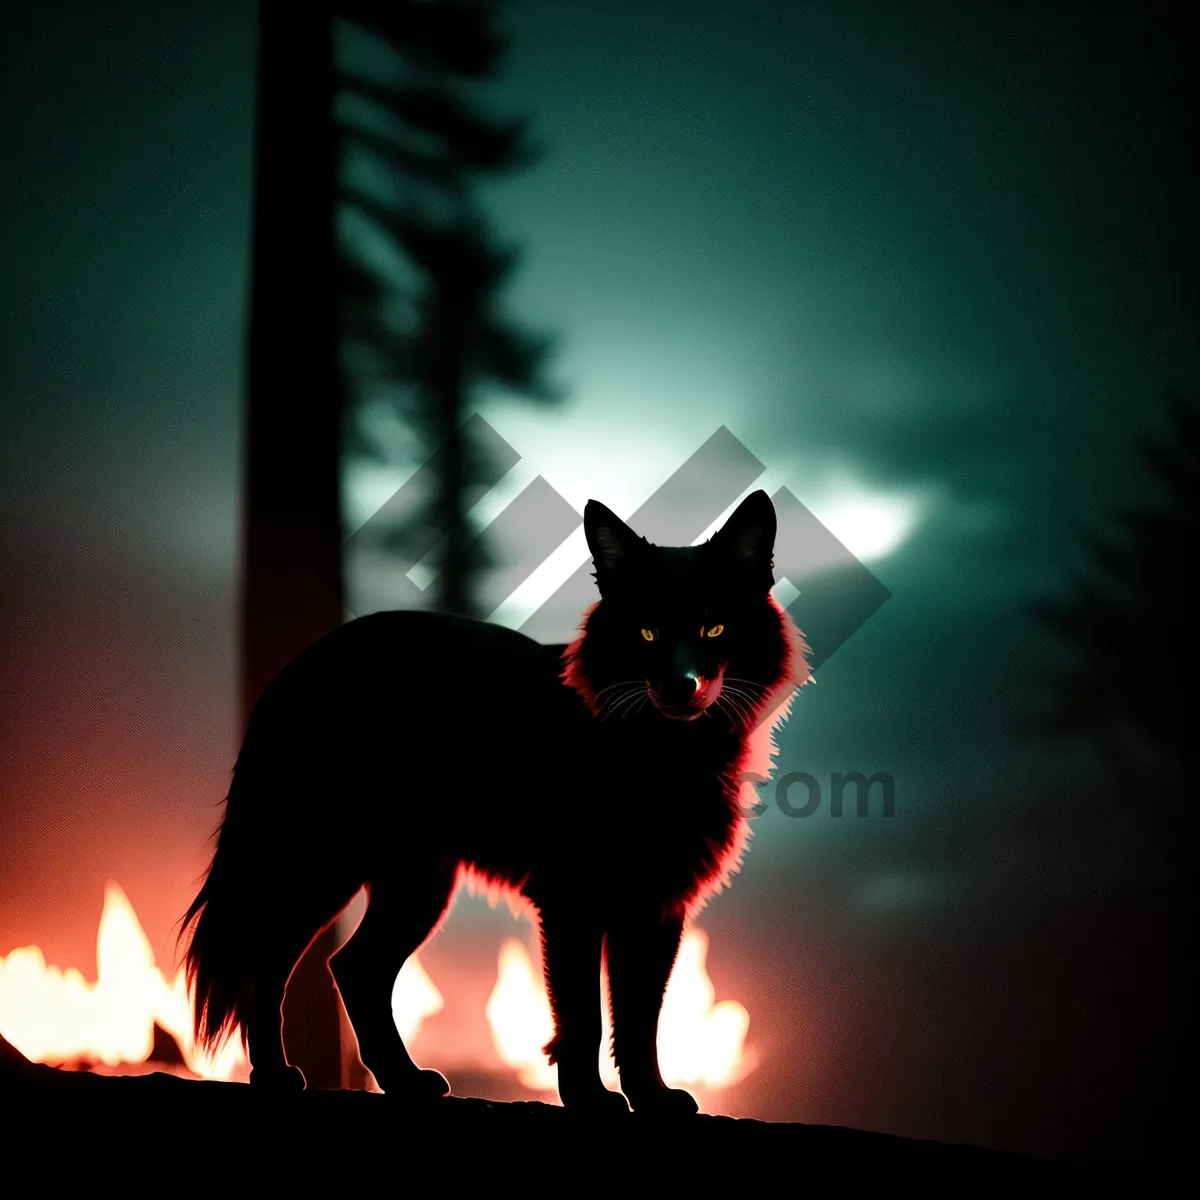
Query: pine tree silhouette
{"x": 292, "y": 578}
{"x": 1131, "y": 631}
{"x": 310, "y": 299}
{"x": 452, "y": 340}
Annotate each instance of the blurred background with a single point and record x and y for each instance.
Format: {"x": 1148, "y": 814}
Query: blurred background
{"x": 933, "y": 265}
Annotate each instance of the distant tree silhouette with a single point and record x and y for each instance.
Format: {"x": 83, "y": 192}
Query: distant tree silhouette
{"x": 1134, "y": 642}
{"x": 434, "y": 147}
{"x": 292, "y": 580}
{"x": 1131, "y": 690}
{"x": 310, "y": 299}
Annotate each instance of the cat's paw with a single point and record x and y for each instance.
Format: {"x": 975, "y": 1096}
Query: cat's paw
{"x": 278, "y": 1079}
{"x": 665, "y": 1102}
{"x": 599, "y": 1102}
{"x": 418, "y": 1087}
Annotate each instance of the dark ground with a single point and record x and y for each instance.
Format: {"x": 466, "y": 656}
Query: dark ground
{"x": 80, "y": 1122}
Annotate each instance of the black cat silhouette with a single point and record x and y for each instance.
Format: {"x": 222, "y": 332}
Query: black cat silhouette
{"x": 600, "y": 781}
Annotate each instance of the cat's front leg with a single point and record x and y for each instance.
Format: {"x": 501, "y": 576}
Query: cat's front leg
{"x": 571, "y": 947}
{"x": 640, "y": 952}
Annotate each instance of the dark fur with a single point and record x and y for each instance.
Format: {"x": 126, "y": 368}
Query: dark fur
{"x": 406, "y": 748}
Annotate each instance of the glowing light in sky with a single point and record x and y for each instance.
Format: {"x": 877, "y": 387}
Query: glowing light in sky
{"x": 871, "y": 525}
{"x": 870, "y": 521}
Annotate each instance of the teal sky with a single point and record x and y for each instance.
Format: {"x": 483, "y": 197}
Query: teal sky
{"x": 939, "y": 258}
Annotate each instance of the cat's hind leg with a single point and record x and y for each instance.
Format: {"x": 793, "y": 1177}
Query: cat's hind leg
{"x": 400, "y": 916}
{"x": 269, "y": 1067}
{"x": 283, "y": 942}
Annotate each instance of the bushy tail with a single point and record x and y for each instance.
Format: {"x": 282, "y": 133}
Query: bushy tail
{"x": 219, "y": 963}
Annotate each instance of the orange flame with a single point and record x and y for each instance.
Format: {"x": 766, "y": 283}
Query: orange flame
{"x": 57, "y": 1016}
{"x": 414, "y": 998}
{"x": 699, "y": 1042}
{"x": 52, "y": 1015}
{"x": 518, "y": 1013}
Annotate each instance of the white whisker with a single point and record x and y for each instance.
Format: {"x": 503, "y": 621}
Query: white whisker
{"x": 749, "y": 683}
{"x": 609, "y": 688}
{"x": 745, "y": 710}
{"x": 743, "y": 701}
{"x": 624, "y": 700}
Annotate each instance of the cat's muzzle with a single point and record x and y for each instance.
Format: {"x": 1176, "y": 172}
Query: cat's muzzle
{"x": 682, "y": 698}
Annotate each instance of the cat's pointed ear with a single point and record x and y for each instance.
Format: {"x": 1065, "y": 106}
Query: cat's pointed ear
{"x": 609, "y": 539}
{"x": 748, "y": 537}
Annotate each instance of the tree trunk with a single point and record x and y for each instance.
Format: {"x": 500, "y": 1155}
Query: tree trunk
{"x": 292, "y": 590}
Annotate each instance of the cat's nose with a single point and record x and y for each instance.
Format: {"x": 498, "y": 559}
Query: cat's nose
{"x": 677, "y": 689}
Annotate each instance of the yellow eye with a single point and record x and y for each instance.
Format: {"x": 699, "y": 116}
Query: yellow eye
{"x": 715, "y": 631}
{"x": 650, "y": 635}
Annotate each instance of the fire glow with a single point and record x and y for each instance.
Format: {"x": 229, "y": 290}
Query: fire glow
{"x": 699, "y": 1042}
{"x": 57, "y": 1016}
